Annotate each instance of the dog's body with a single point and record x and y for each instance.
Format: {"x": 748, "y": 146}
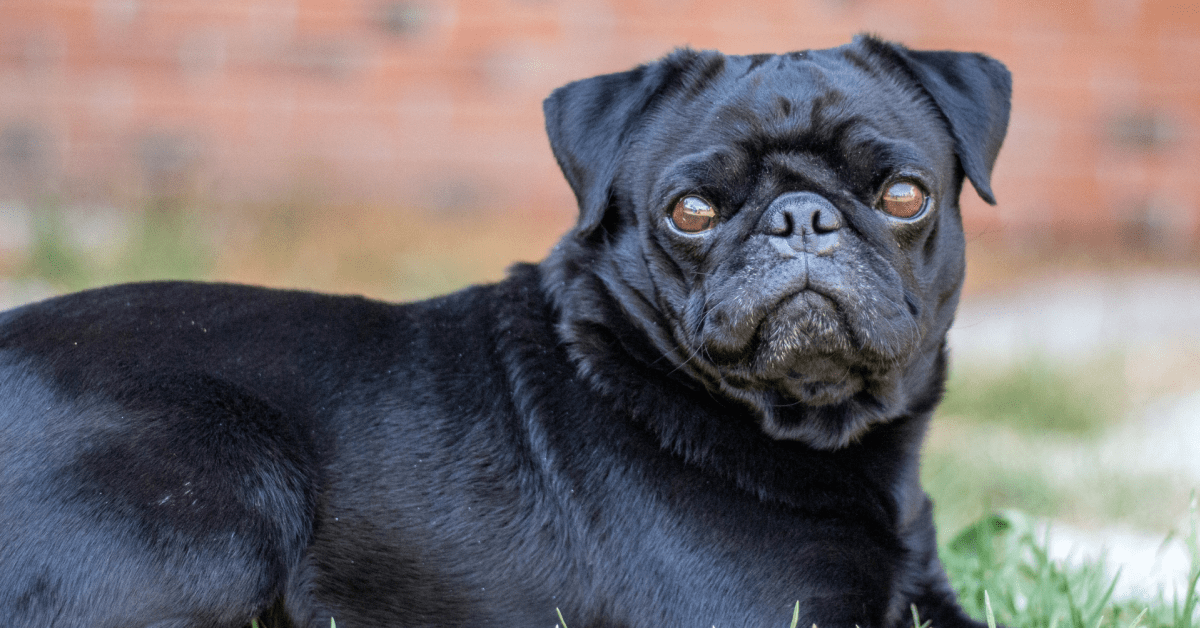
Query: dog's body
{"x": 683, "y": 417}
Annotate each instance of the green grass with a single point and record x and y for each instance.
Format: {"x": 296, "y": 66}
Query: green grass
{"x": 1037, "y": 396}
{"x": 967, "y": 480}
{"x": 1001, "y": 560}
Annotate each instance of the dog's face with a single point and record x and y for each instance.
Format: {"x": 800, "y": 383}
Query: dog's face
{"x": 782, "y": 229}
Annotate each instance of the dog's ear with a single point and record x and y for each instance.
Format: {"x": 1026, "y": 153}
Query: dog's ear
{"x": 591, "y": 121}
{"x": 973, "y": 91}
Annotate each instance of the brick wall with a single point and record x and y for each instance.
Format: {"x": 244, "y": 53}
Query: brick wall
{"x": 436, "y": 104}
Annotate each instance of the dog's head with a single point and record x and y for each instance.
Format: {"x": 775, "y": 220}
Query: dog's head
{"x": 783, "y": 229}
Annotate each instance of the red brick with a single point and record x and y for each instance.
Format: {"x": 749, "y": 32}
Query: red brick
{"x": 275, "y": 94}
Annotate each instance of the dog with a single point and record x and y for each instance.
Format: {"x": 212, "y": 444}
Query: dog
{"x": 703, "y": 408}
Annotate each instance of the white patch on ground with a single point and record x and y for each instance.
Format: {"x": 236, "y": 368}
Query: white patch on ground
{"x": 1079, "y": 317}
{"x": 1148, "y": 564}
{"x": 1163, "y": 437}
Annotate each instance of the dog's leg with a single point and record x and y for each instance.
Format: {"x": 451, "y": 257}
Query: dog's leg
{"x": 929, "y": 588}
{"x": 188, "y": 505}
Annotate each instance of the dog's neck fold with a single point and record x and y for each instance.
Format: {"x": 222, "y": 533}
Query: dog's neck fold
{"x": 621, "y": 345}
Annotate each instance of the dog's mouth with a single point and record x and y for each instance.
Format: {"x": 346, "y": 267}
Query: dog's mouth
{"x": 810, "y": 346}
{"x": 800, "y": 347}
{"x": 805, "y": 323}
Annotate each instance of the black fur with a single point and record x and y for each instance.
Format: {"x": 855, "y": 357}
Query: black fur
{"x": 647, "y": 429}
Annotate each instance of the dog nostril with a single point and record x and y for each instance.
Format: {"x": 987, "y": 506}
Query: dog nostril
{"x": 824, "y": 221}
{"x": 781, "y": 224}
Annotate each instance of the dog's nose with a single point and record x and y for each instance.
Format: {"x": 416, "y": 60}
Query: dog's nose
{"x": 806, "y": 221}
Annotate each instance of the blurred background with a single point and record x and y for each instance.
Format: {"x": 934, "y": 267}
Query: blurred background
{"x": 395, "y": 148}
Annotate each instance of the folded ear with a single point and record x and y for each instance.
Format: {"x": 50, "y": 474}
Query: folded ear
{"x": 591, "y": 121}
{"x": 973, "y": 91}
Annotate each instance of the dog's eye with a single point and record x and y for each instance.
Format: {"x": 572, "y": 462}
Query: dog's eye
{"x": 693, "y": 214}
{"x": 903, "y": 199}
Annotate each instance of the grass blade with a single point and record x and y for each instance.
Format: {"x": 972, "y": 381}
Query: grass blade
{"x": 1184, "y": 619}
{"x": 917, "y": 618}
{"x": 1137, "y": 620}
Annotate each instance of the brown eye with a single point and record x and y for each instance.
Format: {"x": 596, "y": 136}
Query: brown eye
{"x": 693, "y": 214}
{"x": 903, "y": 199}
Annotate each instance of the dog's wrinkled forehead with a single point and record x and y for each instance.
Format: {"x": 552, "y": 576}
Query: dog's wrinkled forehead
{"x": 815, "y": 112}
{"x": 784, "y": 93}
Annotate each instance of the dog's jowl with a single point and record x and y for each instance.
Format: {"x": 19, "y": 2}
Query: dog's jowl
{"x": 705, "y": 405}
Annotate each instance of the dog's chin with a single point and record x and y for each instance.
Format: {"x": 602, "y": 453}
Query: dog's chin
{"x": 827, "y": 427}
{"x": 823, "y": 401}
{"x": 823, "y": 388}
{"x": 822, "y": 415}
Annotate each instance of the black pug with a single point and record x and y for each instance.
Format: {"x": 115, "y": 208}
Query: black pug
{"x": 704, "y": 406}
